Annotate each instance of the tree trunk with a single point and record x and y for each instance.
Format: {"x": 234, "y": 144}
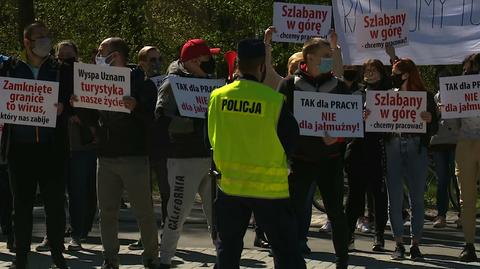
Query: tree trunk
{"x": 26, "y": 16}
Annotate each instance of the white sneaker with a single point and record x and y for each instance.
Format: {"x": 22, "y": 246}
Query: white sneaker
{"x": 327, "y": 227}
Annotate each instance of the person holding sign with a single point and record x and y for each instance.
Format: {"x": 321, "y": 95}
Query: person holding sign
{"x": 251, "y": 133}
{"x": 188, "y": 160}
{"x": 317, "y": 159}
{"x": 407, "y": 156}
{"x": 364, "y": 166}
{"x": 36, "y": 155}
{"x": 467, "y": 160}
{"x": 123, "y": 162}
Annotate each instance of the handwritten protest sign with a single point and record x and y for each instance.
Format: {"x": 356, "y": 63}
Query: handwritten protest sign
{"x": 379, "y": 30}
{"x": 158, "y": 80}
{"x": 434, "y": 26}
{"x": 192, "y": 94}
{"x": 101, "y": 87}
{"x": 460, "y": 96}
{"x": 296, "y": 23}
{"x": 28, "y": 102}
{"x": 322, "y": 114}
{"x": 396, "y": 111}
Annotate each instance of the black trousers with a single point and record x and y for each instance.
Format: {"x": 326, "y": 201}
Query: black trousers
{"x": 328, "y": 175}
{"x": 365, "y": 176}
{"x": 6, "y": 201}
{"x": 159, "y": 168}
{"x": 29, "y": 165}
{"x": 274, "y": 216}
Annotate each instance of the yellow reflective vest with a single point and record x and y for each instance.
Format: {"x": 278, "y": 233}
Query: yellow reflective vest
{"x": 242, "y": 128}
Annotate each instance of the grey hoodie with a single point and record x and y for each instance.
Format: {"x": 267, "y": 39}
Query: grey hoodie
{"x": 185, "y": 134}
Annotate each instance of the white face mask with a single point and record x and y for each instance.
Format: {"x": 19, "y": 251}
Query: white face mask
{"x": 42, "y": 47}
{"x": 102, "y": 60}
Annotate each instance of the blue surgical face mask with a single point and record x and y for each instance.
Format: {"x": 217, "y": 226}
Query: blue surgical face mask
{"x": 325, "y": 65}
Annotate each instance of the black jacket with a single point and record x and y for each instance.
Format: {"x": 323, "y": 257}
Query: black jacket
{"x": 50, "y": 70}
{"x": 126, "y": 134}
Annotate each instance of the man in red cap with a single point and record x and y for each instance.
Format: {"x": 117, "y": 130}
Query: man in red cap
{"x": 188, "y": 160}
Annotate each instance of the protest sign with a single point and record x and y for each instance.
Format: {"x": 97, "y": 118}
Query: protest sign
{"x": 434, "y": 26}
{"x": 28, "y": 102}
{"x": 379, "y": 30}
{"x": 396, "y": 111}
{"x": 101, "y": 87}
{"x": 460, "y": 96}
{"x": 192, "y": 94}
{"x": 296, "y": 23}
{"x": 158, "y": 80}
{"x": 324, "y": 114}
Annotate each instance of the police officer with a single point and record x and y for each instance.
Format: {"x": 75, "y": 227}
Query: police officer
{"x": 251, "y": 133}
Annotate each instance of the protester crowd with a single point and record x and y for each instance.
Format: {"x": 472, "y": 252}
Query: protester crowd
{"x": 92, "y": 156}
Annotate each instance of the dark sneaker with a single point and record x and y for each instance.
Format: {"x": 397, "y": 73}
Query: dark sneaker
{"x": 74, "y": 245}
{"x": 151, "y": 265}
{"x": 399, "y": 253}
{"x": 415, "y": 254}
{"x": 109, "y": 265}
{"x": 378, "y": 244}
{"x": 44, "y": 246}
{"x": 341, "y": 265}
{"x": 136, "y": 246}
{"x": 261, "y": 242}
{"x": 11, "y": 242}
{"x": 164, "y": 266}
{"x": 59, "y": 261}
{"x": 468, "y": 254}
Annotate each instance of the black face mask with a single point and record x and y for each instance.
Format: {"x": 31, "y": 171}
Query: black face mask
{"x": 397, "y": 80}
{"x": 208, "y": 66}
{"x": 68, "y": 61}
{"x": 470, "y": 72}
{"x": 350, "y": 75}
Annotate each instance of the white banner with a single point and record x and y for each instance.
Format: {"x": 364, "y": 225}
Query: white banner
{"x": 296, "y": 23}
{"x": 396, "y": 111}
{"x": 192, "y": 94}
{"x": 101, "y": 87}
{"x": 379, "y": 30}
{"x": 28, "y": 102}
{"x": 325, "y": 114}
{"x": 460, "y": 96}
{"x": 435, "y": 26}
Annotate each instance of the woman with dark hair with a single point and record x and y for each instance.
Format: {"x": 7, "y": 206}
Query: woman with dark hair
{"x": 406, "y": 155}
{"x": 363, "y": 165}
{"x": 467, "y": 162}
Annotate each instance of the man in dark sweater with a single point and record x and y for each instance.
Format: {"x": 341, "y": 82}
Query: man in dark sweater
{"x": 123, "y": 162}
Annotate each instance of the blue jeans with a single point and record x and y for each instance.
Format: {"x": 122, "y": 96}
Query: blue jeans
{"x": 81, "y": 188}
{"x": 406, "y": 158}
{"x": 445, "y": 170}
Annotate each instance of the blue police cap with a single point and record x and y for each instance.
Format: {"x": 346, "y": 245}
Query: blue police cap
{"x": 251, "y": 49}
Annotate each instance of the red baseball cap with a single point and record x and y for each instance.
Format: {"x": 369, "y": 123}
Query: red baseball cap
{"x": 195, "y": 48}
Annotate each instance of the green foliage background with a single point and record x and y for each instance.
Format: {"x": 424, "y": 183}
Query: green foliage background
{"x": 165, "y": 24}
